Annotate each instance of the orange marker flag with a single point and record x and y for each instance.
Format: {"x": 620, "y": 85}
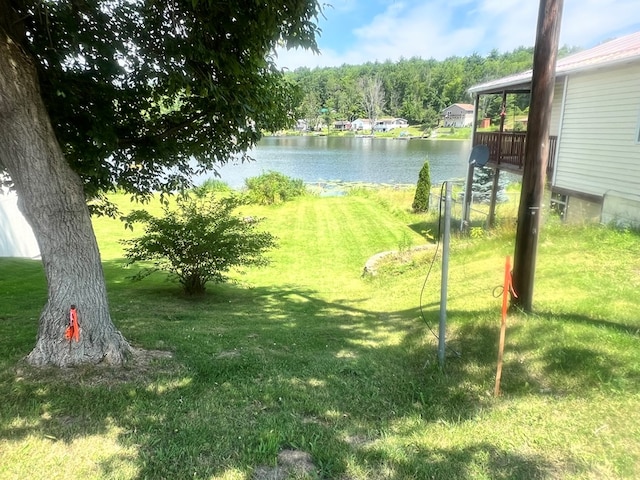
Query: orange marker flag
{"x": 73, "y": 330}
{"x": 507, "y": 287}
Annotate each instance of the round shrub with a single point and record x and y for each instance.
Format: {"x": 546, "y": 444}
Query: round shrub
{"x": 198, "y": 240}
{"x": 273, "y": 187}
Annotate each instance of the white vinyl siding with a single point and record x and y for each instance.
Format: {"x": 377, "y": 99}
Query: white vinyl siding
{"x": 598, "y": 148}
{"x": 455, "y": 116}
{"x": 556, "y": 108}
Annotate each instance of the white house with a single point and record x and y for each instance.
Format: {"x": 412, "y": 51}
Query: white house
{"x": 595, "y": 118}
{"x": 388, "y": 124}
{"x": 360, "y": 124}
{"x": 458, "y": 115}
{"x": 342, "y": 125}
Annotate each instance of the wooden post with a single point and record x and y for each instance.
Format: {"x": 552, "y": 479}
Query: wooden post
{"x": 465, "y": 225}
{"x": 536, "y": 151}
{"x": 496, "y": 177}
{"x": 468, "y": 191}
{"x": 494, "y": 197}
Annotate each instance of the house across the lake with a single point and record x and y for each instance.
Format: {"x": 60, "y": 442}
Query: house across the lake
{"x": 458, "y": 115}
{"x": 360, "y": 124}
{"x": 594, "y": 155}
{"x": 342, "y": 125}
{"x": 388, "y": 124}
{"x": 385, "y": 124}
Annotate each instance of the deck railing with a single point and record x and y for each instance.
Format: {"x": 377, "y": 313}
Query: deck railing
{"x": 506, "y": 149}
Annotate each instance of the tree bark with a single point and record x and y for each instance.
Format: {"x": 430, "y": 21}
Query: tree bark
{"x": 51, "y": 198}
{"x": 372, "y": 98}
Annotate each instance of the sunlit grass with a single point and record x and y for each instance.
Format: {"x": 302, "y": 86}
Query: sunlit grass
{"x": 309, "y": 355}
{"x": 44, "y": 456}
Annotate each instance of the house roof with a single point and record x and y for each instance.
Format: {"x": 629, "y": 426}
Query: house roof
{"x": 463, "y": 106}
{"x": 621, "y": 50}
{"x": 391, "y": 119}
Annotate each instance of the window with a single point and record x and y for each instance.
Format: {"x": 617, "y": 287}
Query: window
{"x": 559, "y": 205}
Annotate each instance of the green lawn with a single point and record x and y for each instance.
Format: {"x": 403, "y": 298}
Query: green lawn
{"x": 309, "y": 355}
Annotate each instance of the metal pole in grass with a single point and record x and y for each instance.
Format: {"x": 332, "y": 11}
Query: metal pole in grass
{"x": 445, "y": 272}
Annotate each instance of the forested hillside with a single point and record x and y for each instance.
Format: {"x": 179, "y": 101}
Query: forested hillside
{"x": 414, "y": 89}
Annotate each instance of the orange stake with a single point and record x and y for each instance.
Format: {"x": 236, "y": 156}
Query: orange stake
{"x": 508, "y": 287}
{"x": 73, "y": 330}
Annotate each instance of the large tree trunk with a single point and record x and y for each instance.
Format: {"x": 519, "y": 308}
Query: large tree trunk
{"x": 51, "y": 198}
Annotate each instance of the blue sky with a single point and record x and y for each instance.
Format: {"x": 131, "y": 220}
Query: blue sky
{"x": 358, "y": 31}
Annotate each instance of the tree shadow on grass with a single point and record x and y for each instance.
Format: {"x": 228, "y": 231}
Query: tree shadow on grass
{"x": 579, "y": 319}
{"x": 423, "y": 228}
{"x": 540, "y": 358}
{"x": 480, "y": 460}
{"x": 258, "y": 370}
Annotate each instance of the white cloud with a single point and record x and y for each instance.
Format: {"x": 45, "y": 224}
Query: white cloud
{"x": 507, "y": 23}
{"x": 405, "y": 30}
{"x": 589, "y": 22}
{"x": 441, "y": 28}
{"x": 341, "y": 6}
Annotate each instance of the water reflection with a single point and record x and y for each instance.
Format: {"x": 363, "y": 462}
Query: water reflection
{"x": 349, "y": 159}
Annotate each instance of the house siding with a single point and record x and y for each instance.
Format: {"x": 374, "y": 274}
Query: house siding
{"x": 598, "y": 149}
{"x": 458, "y": 116}
{"x": 556, "y": 108}
{"x": 16, "y": 236}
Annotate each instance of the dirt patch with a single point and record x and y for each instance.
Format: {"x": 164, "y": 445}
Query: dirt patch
{"x": 228, "y": 354}
{"x": 142, "y": 367}
{"x": 370, "y": 267}
{"x": 291, "y": 464}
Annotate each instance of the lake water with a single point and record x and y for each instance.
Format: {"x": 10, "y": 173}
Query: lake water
{"x": 351, "y": 159}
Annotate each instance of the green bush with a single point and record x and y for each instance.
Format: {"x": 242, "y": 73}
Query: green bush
{"x": 423, "y": 190}
{"x": 198, "y": 241}
{"x": 273, "y": 187}
{"x": 213, "y": 185}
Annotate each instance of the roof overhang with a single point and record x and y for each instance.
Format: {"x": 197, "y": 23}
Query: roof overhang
{"x": 619, "y": 51}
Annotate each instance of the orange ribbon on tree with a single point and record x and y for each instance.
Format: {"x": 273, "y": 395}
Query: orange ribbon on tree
{"x": 73, "y": 330}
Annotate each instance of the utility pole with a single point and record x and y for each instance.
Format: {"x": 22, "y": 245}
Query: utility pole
{"x": 536, "y": 151}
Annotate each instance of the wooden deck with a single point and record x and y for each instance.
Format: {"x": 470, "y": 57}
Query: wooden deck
{"x": 506, "y": 150}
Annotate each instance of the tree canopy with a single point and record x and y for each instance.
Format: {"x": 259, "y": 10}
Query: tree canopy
{"x": 137, "y": 90}
{"x": 138, "y": 95}
{"x": 415, "y": 89}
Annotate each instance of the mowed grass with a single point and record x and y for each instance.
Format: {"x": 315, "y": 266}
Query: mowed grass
{"x": 310, "y": 355}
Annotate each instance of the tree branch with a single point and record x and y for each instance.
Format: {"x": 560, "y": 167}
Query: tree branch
{"x": 167, "y": 133}
{"x": 11, "y": 23}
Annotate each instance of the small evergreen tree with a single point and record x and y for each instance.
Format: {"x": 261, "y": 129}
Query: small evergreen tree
{"x": 483, "y": 183}
{"x": 423, "y": 189}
